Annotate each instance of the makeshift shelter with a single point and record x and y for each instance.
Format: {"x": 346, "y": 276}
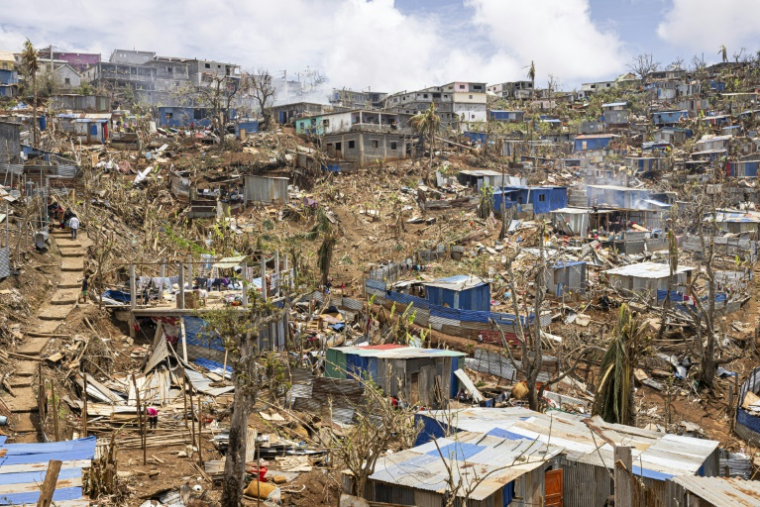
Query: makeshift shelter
{"x": 509, "y": 472}
{"x": 713, "y": 492}
{"x": 586, "y": 458}
{"x": 648, "y": 276}
{"x": 424, "y": 376}
{"x": 23, "y": 468}
{"x": 462, "y": 292}
{"x": 568, "y": 277}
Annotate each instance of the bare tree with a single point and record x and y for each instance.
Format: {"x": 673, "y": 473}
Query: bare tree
{"x": 262, "y": 89}
{"x": 677, "y": 63}
{"x": 239, "y": 331}
{"x": 531, "y": 342}
{"x": 643, "y": 65}
{"x": 553, "y": 85}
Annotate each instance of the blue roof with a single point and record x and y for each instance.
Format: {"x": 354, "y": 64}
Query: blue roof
{"x": 567, "y": 264}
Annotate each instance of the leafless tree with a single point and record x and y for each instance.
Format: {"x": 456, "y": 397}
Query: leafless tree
{"x": 553, "y": 85}
{"x": 312, "y": 79}
{"x": 263, "y": 91}
{"x": 677, "y": 63}
{"x": 531, "y": 341}
{"x": 643, "y": 65}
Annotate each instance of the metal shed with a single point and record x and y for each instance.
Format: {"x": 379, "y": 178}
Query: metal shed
{"x": 648, "y": 276}
{"x": 585, "y": 458}
{"x": 462, "y": 292}
{"x": 568, "y": 277}
{"x": 510, "y": 472}
{"x": 267, "y": 189}
{"x": 414, "y": 374}
{"x": 712, "y": 492}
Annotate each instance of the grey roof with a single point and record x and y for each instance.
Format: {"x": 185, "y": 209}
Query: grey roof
{"x": 647, "y": 270}
{"x": 484, "y": 463}
{"x": 655, "y": 455}
{"x": 722, "y": 492}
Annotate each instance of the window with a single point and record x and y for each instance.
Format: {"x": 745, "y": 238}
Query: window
{"x": 542, "y": 198}
{"x": 198, "y": 114}
{"x": 351, "y": 145}
{"x": 208, "y": 65}
{"x": 325, "y": 123}
{"x": 470, "y": 96}
{"x": 461, "y": 87}
{"x": 375, "y": 143}
{"x": 424, "y": 96}
{"x": 169, "y": 70}
{"x": 394, "y": 146}
{"x": 67, "y": 81}
{"x": 169, "y": 116}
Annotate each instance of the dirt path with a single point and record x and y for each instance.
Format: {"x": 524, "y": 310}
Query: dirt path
{"x": 49, "y": 317}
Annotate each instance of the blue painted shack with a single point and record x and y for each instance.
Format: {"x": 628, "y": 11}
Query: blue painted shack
{"x": 23, "y": 468}
{"x": 718, "y": 86}
{"x": 8, "y": 82}
{"x": 742, "y": 169}
{"x": 669, "y": 117}
{"x": 593, "y": 142}
{"x": 507, "y": 116}
{"x": 461, "y": 292}
{"x": 543, "y": 199}
{"x": 183, "y": 117}
{"x": 248, "y": 125}
{"x": 413, "y": 374}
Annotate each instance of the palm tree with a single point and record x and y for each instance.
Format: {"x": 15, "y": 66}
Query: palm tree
{"x": 31, "y": 65}
{"x": 427, "y": 124}
{"x": 723, "y": 52}
{"x": 614, "y": 399}
{"x": 532, "y": 77}
{"x": 324, "y": 228}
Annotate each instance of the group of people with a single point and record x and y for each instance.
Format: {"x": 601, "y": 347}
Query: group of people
{"x": 66, "y": 218}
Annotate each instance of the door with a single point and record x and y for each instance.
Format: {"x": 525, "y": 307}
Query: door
{"x": 553, "y": 488}
{"x": 414, "y": 392}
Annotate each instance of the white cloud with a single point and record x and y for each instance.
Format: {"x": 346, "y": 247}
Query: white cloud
{"x": 703, "y": 25}
{"x": 356, "y": 43}
{"x": 558, "y": 35}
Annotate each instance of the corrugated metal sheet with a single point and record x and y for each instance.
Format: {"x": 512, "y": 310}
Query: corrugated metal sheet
{"x": 720, "y": 491}
{"x": 499, "y": 461}
{"x": 266, "y": 189}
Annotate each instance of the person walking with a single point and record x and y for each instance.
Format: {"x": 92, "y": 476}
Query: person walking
{"x": 74, "y": 226}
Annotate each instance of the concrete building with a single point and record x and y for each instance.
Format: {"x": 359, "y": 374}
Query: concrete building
{"x": 588, "y": 89}
{"x": 64, "y": 76}
{"x": 78, "y": 61}
{"x": 458, "y": 103}
{"x": 130, "y": 57}
{"x": 358, "y": 99}
{"x": 522, "y": 90}
{"x": 287, "y": 113}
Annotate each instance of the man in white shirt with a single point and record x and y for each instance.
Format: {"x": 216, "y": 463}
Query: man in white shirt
{"x": 74, "y": 225}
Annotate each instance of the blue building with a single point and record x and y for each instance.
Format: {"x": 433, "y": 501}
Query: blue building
{"x": 742, "y": 169}
{"x": 183, "y": 117}
{"x": 250, "y": 125}
{"x": 669, "y": 117}
{"x": 8, "y": 82}
{"x": 543, "y": 199}
{"x": 593, "y": 142}
{"x": 718, "y": 86}
{"x": 461, "y": 292}
{"x": 507, "y": 116}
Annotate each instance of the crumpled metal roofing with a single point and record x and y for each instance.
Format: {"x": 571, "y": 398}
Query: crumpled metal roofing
{"x": 483, "y": 462}
{"x": 655, "y": 455}
{"x": 722, "y": 492}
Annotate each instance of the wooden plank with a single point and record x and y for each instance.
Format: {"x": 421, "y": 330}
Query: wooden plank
{"x": 48, "y": 486}
{"x": 39, "y": 467}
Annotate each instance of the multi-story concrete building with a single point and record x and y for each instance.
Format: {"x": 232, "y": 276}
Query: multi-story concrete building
{"x": 522, "y": 90}
{"x": 457, "y": 103}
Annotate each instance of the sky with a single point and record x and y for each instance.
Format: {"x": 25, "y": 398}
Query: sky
{"x": 388, "y": 45}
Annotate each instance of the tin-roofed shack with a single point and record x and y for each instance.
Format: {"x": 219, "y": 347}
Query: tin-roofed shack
{"x": 416, "y": 375}
{"x": 713, "y": 492}
{"x": 461, "y": 292}
{"x": 585, "y": 458}
{"x": 648, "y": 276}
{"x": 509, "y": 472}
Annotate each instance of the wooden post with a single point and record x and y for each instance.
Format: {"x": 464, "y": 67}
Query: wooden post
{"x": 192, "y": 411}
{"x": 181, "y": 286}
{"x": 276, "y": 288}
{"x": 623, "y": 477}
{"x": 163, "y": 275}
{"x": 184, "y": 393}
{"x": 263, "y": 277}
{"x": 730, "y": 399}
{"x": 190, "y": 273}
{"x": 84, "y": 395}
{"x": 48, "y": 485}
{"x": 287, "y": 271}
{"x": 184, "y": 338}
{"x": 140, "y": 422}
{"x": 132, "y": 287}
{"x": 244, "y": 273}
{"x": 41, "y": 395}
{"x": 200, "y": 431}
{"x": 224, "y": 367}
{"x": 55, "y": 410}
